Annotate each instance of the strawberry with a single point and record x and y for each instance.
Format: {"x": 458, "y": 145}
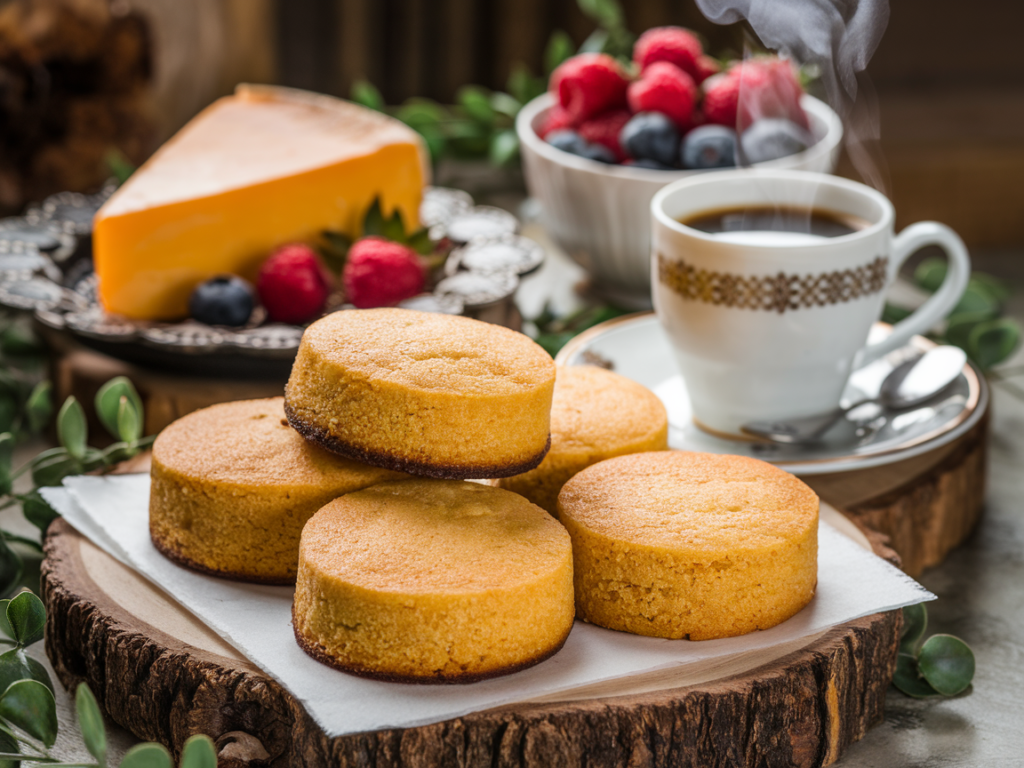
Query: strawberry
{"x": 381, "y": 273}
{"x": 664, "y": 88}
{"x": 589, "y": 84}
{"x": 672, "y": 44}
{"x": 556, "y": 119}
{"x": 604, "y": 130}
{"x": 753, "y": 89}
{"x": 293, "y": 284}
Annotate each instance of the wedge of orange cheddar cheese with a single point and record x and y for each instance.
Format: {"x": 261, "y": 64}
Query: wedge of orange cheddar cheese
{"x": 261, "y": 168}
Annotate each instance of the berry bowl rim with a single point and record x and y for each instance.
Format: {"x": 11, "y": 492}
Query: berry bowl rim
{"x": 825, "y": 123}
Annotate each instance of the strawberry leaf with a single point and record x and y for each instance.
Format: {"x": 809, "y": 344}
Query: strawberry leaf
{"x": 373, "y": 224}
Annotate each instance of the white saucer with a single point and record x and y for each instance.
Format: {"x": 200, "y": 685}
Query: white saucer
{"x": 637, "y": 347}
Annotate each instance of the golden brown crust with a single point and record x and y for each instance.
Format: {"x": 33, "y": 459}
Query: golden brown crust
{"x": 325, "y": 440}
{"x": 176, "y": 557}
{"x": 316, "y": 651}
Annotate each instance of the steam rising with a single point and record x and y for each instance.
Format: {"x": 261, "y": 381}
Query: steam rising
{"x": 839, "y": 37}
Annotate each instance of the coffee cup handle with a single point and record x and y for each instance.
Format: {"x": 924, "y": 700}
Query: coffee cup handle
{"x": 910, "y": 240}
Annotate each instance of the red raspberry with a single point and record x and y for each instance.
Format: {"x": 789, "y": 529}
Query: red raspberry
{"x": 664, "y": 88}
{"x": 381, "y": 273}
{"x": 762, "y": 87}
{"x": 604, "y": 130}
{"x": 293, "y": 284}
{"x": 721, "y": 99}
{"x": 556, "y": 119}
{"x": 589, "y": 84}
{"x": 672, "y": 44}
{"x": 706, "y": 67}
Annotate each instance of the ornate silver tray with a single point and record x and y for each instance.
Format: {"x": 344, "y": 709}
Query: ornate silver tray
{"x": 46, "y": 268}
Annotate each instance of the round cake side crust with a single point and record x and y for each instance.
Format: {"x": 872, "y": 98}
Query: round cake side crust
{"x": 331, "y": 443}
{"x": 186, "y": 562}
{"x": 316, "y": 651}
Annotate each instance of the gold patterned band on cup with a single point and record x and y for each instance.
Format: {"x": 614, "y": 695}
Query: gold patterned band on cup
{"x": 775, "y": 293}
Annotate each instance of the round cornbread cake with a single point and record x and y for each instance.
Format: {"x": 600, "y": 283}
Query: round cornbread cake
{"x": 233, "y": 484}
{"x": 430, "y": 394}
{"x": 690, "y": 545}
{"x": 433, "y": 581}
{"x": 595, "y": 415}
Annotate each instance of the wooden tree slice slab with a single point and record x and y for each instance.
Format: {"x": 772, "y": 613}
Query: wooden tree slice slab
{"x": 164, "y": 676}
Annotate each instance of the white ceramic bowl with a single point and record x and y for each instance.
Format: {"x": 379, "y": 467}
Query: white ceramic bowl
{"x": 601, "y": 214}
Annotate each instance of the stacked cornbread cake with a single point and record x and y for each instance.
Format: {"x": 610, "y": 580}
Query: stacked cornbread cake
{"x": 429, "y": 394}
{"x": 690, "y": 545}
{"x": 433, "y": 581}
{"x": 233, "y": 484}
{"x": 595, "y": 415}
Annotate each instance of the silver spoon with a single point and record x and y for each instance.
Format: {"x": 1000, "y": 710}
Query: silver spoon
{"x": 908, "y": 384}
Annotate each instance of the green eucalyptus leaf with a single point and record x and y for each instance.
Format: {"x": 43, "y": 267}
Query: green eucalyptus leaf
{"x": 366, "y": 93}
{"x": 619, "y": 44}
{"x": 993, "y": 341}
{"x": 947, "y": 663}
{"x": 8, "y": 411}
{"x": 930, "y": 273}
{"x": 148, "y": 755}
{"x": 504, "y": 148}
{"x": 53, "y": 469}
{"x": 10, "y": 746}
{"x": 604, "y": 13}
{"x": 421, "y": 113}
{"x": 39, "y": 406}
{"x": 116, "y": 452}
{"x": 18, "y": 339}
{"x": 373, "y": 222}
{"x": 477, "y": 103}
{"x": 504, "y": 104}
{"x": 978, "y": 300}
{"x": 90, "y": 723}
{"x": 71, "y": 427}
{"x": 5, "y": 625}
{"x": 198, "y": 752}
{"x": 908, "y": 680}
{"x": 17, "y": 665}
{"x": 436, "y": 142}
{"x": 108, "y": 403}
{"x": 29, "y": 705}
{"x": 522, "y": 85}
{"x": 6, "y": 461}
{"x": 129, "y": 426}
{"x": 998, "y": 288}
{"x": 915, "y": 621}
{"x": 11, "y": 568}
{"x": 559, "y": 48}
{"x": 27, "y": 617}
{"x": 595, "y": 42}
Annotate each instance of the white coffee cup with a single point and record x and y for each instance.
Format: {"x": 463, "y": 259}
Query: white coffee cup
{"x": 769, "y": 326}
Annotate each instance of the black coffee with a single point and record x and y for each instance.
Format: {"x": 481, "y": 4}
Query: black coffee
{"x": 816, "y": 221}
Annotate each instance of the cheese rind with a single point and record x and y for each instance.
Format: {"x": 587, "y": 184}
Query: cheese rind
{"x": 264, "y": 167}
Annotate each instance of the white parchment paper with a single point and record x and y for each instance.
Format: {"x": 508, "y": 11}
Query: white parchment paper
{"x": 114, "y": 513}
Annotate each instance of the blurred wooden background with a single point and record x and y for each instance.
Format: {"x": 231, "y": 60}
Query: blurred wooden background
{"x": 949, "y": 77}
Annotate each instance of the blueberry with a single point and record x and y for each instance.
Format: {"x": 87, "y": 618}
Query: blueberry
{"x": 650, "y": 136}
{"x": 652, "y": 164}
{"x": 709, "y": 146}
{"x": 574, "y": 144}
{"x": 225, "y": 300}
{"x": 567, "y": 141}
{"x": 597, "y": 152}
{"x": 772, "y": 138}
